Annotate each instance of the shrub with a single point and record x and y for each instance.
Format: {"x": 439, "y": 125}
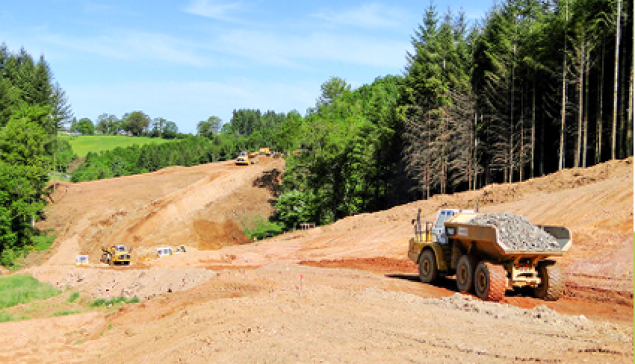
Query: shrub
{"x": 65, "y": 313}
{"x": 42, "y": 242}
{"x": 263, "y": 229}
{"x": 121, "y": 299}
{"x": 73, "y": 297}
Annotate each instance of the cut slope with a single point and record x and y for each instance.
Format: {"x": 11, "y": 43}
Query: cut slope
{"x": 203, "y": 207}
{"x": 596, "y": 204}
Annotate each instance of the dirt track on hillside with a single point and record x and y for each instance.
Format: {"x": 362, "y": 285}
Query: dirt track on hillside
{"x": 344, "y": 292}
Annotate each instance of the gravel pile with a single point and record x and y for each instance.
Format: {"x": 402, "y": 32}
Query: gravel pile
{"x": 518, "y": 233}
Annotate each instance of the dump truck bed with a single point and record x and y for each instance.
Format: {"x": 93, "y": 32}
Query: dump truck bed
{"x": 489, "y": 239}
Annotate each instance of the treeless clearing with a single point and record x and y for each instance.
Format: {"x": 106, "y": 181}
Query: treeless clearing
{"x": 344, "y": 292}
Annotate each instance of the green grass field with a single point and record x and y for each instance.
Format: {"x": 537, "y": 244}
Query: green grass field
{"x": 22, "y": 288}
{"x": 96, "y": 143}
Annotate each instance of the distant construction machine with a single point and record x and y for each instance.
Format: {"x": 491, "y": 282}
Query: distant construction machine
{"x": 82, "y": 261}
{"x": 264, "y": 151}
{"x": 490, "y": 253}
{"x": 115, "y": 255}
{"x": 245, "y": 159}
{"x": 165, "y": 251}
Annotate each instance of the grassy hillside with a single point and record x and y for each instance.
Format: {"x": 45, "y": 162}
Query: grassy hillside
{"x": 96, "y": 143}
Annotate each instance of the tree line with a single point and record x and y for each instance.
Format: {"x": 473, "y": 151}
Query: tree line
{"x": 212, "y": 143}
{"x": 136, "y": 123}
{"x": 32, "y": 109}
{"x": 535, "y": 88}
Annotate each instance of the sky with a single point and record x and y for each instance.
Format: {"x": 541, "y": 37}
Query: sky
{"x": 188, "y": 60}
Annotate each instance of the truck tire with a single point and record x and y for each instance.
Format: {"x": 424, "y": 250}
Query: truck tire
{"x": 465, "y": 273}
{"x": 490, "y": 281}
{"x": 552, "y": 286}
{"x": 428, "y": 270}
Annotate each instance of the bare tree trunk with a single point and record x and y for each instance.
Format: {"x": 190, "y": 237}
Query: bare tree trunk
{"x": 476, "y": 152}
{"x": 578, "y": 144}
{"x": 521, "y": 160}
{"x": 533, "y": 129}
{"x": 541, "y": 166}
{"x": 631, "y": 89}
{"x": 563, "y": 110}
{"x": 598, "y": 134}
{"x": 622, "y": 132}
{"x": 629, "y": 126}
{"x": 511, "y": 125}
{"x": 615, "y": 85}
{"x": 585, "y": 125}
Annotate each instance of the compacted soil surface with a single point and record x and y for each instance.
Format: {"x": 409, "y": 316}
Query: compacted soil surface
{"x": 339, "y": 293}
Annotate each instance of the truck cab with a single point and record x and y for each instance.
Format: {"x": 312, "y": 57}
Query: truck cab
{"x": 438, "y": 229}
{"x": 430, "y": 242}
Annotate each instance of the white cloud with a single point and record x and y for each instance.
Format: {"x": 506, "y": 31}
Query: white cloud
{"x": 132, "y": 46}
{"x": 366, "y": 16}
{"x": 220, "y": 10}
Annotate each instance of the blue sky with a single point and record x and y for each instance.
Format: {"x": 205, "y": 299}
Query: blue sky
{"x": 188, "y": 60}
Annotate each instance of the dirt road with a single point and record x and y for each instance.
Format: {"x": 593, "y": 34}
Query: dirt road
{"x": 339, "y": 293}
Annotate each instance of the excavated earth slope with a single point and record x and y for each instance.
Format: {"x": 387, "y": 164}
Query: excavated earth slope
{"x": 275, "y": 300}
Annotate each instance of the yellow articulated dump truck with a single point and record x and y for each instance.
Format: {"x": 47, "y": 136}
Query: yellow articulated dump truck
{"x": 490, "y": 253}
{"x": 115, "y": 255}
{"x": 264, "y": 151}
{"x": 245, "y": 159}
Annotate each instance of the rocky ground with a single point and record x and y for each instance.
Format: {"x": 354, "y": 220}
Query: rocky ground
{"x": 339, "y": 293}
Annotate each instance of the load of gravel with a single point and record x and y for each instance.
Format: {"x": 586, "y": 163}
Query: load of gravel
{"x": 517, "y": 232}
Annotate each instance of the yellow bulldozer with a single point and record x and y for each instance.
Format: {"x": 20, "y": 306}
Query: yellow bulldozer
{"x": 115, "y": 255}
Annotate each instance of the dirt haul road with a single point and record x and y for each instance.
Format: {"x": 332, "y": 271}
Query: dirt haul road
{"x": 340, "y": 293}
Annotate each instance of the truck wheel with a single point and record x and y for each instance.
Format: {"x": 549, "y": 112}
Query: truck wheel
{"x": 490, "y": 281}
{"x": 428, "y": 271}
{"x": 552, "y": 286}
{"x": 465, "y": 273}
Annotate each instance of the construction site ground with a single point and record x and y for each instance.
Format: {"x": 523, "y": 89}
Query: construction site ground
{"x": 339, "y": 293}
